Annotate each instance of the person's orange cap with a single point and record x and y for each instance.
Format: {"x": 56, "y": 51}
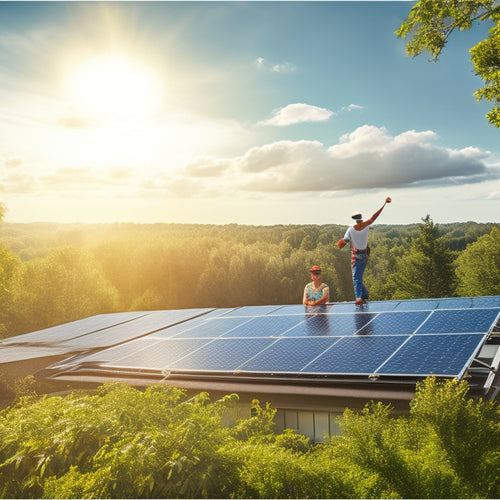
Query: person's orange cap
{"x": 315, "y": 268}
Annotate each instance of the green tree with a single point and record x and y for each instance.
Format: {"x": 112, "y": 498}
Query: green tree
{"x": 63, "y": 286}
{"x": 478, "y": 266}
{"x": 426, "y": 270}
{"x": 446, "y": 448}
{"x": 430, "y": 24}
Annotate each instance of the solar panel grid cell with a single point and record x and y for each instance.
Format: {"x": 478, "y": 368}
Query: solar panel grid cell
{"x": 161, "y": 355}
{"x": 223, "y": 354}
{"x": 396, "y": 323}
{"x": 424, "y": 355}
{"x": 459, "y": 321}
{"x": 212, "y": 327}
{"x": 331, "y": 324}
{"x": 289, "y": 355}
{"x": 355, "y": 355}
{"x": 265, "y": 326}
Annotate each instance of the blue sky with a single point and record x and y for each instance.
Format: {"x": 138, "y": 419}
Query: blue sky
{"x": 247, "y": 112}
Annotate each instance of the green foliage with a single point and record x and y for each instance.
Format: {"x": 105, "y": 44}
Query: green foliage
{"x": 478, "y": 266}
{"x": 120, "y": 442}
{"x": 63, "y": 286}
{"x": 446, "y": 448}
{"x": 467, "y": 431}
{"x": 426, "y": 269}
{"x": 431, "y": 22}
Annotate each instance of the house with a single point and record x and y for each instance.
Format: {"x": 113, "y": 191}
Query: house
{"x": 309, "y": 362}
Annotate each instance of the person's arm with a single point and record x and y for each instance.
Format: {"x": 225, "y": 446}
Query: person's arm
{"x": 372, "y": 219}
{"x": 305, "y": 300}
{"x": 325, "y": 297}
{"x": 342, "y": 242}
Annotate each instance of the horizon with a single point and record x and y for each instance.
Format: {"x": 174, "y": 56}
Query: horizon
{"x": 249, "y": 113}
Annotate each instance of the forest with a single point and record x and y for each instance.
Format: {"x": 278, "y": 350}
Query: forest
{"x": 54, "y": 273}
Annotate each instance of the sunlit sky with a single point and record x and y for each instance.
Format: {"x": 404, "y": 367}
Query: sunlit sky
{"x": 237, "y": 112}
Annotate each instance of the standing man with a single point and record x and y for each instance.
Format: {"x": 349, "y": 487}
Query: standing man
{"x": 357, "y": 235}
{"x": 316, "y": 292}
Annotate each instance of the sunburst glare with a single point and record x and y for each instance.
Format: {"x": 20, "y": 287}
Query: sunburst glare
{"x": 112, "y": 87}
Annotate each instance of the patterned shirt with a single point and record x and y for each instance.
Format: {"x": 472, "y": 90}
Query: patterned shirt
{"x": 315, "y": 294}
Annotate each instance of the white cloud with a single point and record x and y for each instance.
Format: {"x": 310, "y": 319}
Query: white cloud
{"x": 297, "y": 113}
{"x": 283, "y": 67}
{"x": 366, "y": 158}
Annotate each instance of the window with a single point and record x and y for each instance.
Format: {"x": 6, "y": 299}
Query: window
{"x": 315, "y": 424}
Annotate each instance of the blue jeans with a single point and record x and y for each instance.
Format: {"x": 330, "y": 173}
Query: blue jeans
{"x": 358, "y": 268}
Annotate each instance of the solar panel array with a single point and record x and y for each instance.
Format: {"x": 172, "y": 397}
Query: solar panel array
{"x": 412, "y": 338}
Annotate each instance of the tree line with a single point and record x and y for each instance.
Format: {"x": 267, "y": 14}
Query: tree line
{"x": 55, "y": 273}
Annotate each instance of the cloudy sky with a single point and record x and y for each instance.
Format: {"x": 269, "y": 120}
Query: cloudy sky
{"x": 246, "y": 112}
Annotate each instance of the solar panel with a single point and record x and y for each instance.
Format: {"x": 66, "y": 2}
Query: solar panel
{"x": 455, "y": 303}
{"x": 493, "y": 301}
{"x": 289, "y": 355}
{"x": 411, "y": 338}
{"x": 74, "y": 329}
{"x": 417, "y": 305}
{"x": 159, "y": 355}
{"x": 138, "y": 327}
{"x": 222, "y": 355}
{"x": 355, "y": 355}
{"x": 401, "y": 323}
{"x": 174, "y": 330}
{"x": 445, "y": 355}
{"x": 252, "y": 310}
{"x": 13, "y": 353}
{"x": 211, "y": 328}
{"x": 331, "y": 324}
{"x": 459, "y": 321}
{"x": 265, "y": 326}
{"x": 368, "y": 307}
{"x": 299, "y": 309}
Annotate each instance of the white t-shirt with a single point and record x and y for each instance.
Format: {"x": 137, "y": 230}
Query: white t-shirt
{"x": 358, "y": 239}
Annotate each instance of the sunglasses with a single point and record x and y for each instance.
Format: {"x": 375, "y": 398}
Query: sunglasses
{"x": 316, "y": 272}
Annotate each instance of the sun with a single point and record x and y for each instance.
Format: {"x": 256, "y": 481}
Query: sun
{"x": 113, "y": 87}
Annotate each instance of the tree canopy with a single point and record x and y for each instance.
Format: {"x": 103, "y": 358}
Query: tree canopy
{"x": 430, "y": 24}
